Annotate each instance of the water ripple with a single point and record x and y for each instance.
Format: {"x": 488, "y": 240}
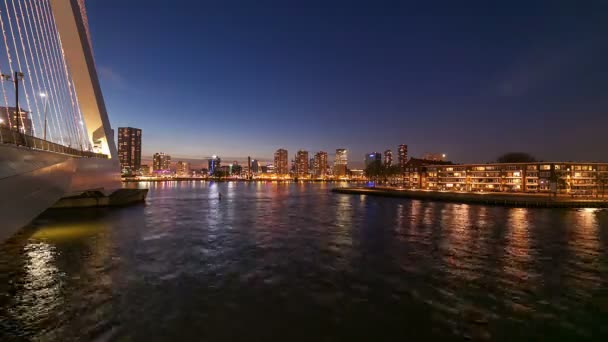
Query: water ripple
{"x": 277, "y": 261}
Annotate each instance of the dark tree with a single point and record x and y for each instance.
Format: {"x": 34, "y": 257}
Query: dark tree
{"x": 516, "y": 157}
{"x": 219, "y": 174}
{"x": 374, "y": 171}
{"x": 602, "y": 181}
{"x": 560, "y": 183}
{"x": 378, "y": 171}
{"x": 394, "y": 170}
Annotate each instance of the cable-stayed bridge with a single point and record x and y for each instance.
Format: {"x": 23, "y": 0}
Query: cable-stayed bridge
{"x": 55, "y": 136}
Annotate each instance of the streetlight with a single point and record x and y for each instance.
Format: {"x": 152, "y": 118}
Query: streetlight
{"x": 46, "y": 100}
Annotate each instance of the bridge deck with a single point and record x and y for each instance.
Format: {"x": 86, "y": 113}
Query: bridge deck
{"x": 13, "y": 137}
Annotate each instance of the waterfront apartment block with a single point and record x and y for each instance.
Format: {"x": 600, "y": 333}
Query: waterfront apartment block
{"x": 182, "y": 169}
{"x": 340, "y": 162}
{"x": 563, "y": 177}
{"x": 281, "y": 162}
{"x": 415, "y": 171}
{"x": 301, "y": 164}
{"x": 402, "y": 156}
{"x": 161, "y": 162}
{"x": 320, "y": 165}
{"x": 129, "y": 149}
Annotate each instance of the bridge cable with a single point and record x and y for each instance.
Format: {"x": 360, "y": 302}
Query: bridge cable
{"x": 44, "y": 71}
{"x": 54, "y": 78}
{"x": 36, "y": 64}
{"x": 64, "y": 131}
{"x": 63, "y": 76}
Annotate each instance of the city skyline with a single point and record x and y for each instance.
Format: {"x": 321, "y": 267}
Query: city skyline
{"x": 310, "y": 75}
{"x": 357, "y": 162}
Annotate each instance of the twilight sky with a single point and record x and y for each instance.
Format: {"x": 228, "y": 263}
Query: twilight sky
{"x": 472, "y": 79}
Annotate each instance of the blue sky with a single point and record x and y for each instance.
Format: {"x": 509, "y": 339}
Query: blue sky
{"x": 472, "y": 79}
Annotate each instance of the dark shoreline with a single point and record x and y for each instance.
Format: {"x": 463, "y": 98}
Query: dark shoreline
{"x": 508, "y": 199}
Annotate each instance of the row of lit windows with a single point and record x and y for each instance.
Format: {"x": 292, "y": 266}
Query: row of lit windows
{"x": 544, "y": 167}
{"x": 543, "y": 174}
{"x": 485, "y": 174}
{"x": 583, "y": 181}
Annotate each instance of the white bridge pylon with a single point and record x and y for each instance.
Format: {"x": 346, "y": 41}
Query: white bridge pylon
{"x": 72, "y": 27}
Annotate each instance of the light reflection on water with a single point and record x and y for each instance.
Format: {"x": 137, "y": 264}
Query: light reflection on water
{"x": 281, "y": 261}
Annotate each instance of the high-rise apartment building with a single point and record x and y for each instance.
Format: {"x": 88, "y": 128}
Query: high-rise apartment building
{"x": 214, "y": 164}
{"x": 255, "y": 167}
{"x": 301, "y": 164}
{"x": 182, "y": 168}
{"x": 129, "y": 149}
{"x": 235, "y": 169}
{"x": 388, "y": 158}
{"x": 145, "y": 170}
{"x": 320, "y": 164}
{"x": 402, "y": 156}
{"x": 281, "y": 162}
{"x": 341, "y": 162}
{"x": 374, "y": 157}
{"x": 341, "y": 157}
{"x": 161, "y": 162}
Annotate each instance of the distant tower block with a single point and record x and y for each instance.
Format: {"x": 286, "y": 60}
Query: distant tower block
{"x": 249, "y": 166}
{"x": 402, "y": 156}
{"x": 388, "y": 158}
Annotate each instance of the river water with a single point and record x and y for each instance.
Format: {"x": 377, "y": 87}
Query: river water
{"x": 295, "y": 262}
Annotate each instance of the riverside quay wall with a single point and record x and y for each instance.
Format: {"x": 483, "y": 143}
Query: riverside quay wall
{"x": 485, "y": 198}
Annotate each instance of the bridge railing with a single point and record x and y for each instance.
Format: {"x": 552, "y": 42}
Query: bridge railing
{"x": 9, "y": 136}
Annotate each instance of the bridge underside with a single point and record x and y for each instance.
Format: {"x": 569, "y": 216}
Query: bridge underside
{"x": 32, "y": 181}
